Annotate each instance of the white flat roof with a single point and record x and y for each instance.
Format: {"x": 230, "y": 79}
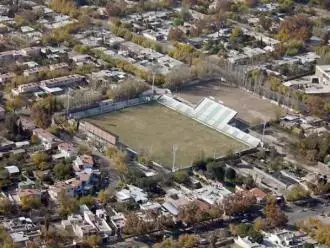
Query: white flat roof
{"x": 12, "y": 169}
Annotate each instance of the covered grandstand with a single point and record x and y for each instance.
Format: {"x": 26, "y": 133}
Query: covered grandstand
{"x": 212, "y": 114}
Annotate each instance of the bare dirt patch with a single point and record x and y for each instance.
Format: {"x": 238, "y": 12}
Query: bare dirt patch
{"x": 250, "y": 108}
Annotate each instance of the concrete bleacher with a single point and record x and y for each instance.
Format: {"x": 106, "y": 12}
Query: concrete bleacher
{"x": 212, "y": 114}
{"x": 177, "y": 106}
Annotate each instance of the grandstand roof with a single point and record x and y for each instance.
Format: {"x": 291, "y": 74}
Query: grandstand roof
{"x": 212, "y": 114}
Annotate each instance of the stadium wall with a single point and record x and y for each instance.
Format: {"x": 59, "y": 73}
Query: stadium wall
{"x": 103, "y": 109}
{"x": 96, "y": 132}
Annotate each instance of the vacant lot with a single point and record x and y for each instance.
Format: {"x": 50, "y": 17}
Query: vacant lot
{"x": 250, "y": 108}
{"x": 153, "y": 129}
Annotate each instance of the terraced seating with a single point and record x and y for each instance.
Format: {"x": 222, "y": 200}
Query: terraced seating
{"x": 212, "y": 114}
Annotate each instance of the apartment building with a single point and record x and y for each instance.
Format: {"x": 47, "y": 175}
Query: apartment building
{"x": 27, "y": 88}
{"x": 47, "y": 139}
{"x": 62, "y": 81}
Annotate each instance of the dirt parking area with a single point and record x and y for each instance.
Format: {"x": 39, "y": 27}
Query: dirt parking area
{"x": 250, "y": 108}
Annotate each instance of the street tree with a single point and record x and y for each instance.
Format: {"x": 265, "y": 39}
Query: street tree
{"x": 296, "y": 192}
{"x": 238, "y": 203}
{"x": 175, "y": 34}
{"x": 215, "y": 170}
{"x": 275, "y": 218}
{"x": 67, "y": 204}
{"x": 230, "y": 174}
{"x": 297, "y": 27}
{"x": 93, "y": 241}
{"x": 190, "y": 214}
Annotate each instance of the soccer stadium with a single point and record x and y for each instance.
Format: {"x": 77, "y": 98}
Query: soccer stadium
{"x": 168, "y": 127}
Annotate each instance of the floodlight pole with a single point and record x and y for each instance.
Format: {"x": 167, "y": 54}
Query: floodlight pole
{"x": 175, "y": 148}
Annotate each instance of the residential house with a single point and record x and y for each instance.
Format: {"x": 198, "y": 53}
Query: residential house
{"x": 87, "y": 223}
{"x": 26, "y": 88}
{"x": 118, "y": 220}
{"x": 83, "y": 162}
{"x": 83, "y": 184}
{"x": 98, "y": 221}
{"x": 318, "y": 84}
{"x": 13, "y": 171}
{"x": 48, "y": 140}
{"x": 79, "y": 226}
{"x": 55, "y": 190}
{"x": 28, "y": 184}
{"x": 287, "y": 239}
{"x": 174, "y": 200}
{"x": 8, "y": 56}
{"x": 169, "y": 207}
{"x": 65, "y": 81}
{"x": 59, "y": 66}
{"x": 28, "y": 194}
{"x": 132, "y": 192}
{"x": 6, "y": 77}
{"x": 22, "y": 144}
{"x": 27, "y": 123}
{"x": 246, "y": 243}
{"x": 258, "y": 194}
{"x": 35, "y": 71}
{"x": 31, "y": 51}
{"x": 150, "y": 206}
{"x": 21, "y": 230}
{"x": 27, "y": 29}
{"x": 81, "y": 58}
{"x": 211, "y": 194}
{"x": 6, "y": 145}
{"x": 152, "y": 35}
{"x": 87, "y": 181}
{"x": 67, "y": 149}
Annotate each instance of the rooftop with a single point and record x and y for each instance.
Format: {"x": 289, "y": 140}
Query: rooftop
{"x": 43, "y": 134}
{"x": 211, "y": 194}
{"x": 12, "y": 169}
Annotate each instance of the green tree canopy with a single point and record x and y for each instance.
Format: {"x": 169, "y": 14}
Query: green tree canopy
{"x": 215, "y": 170}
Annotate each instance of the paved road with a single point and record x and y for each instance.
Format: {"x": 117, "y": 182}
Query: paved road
{"x": 296, "y": 213}
{"x": 104, "y": 161}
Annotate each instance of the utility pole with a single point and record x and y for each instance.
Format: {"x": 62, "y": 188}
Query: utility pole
{"x": 153, "y": 83}
{"x": 154, "y": 71}
{"x": 175, "y": 148}
{"x": 68, "y": 103}
{"x": 263, "y": 133}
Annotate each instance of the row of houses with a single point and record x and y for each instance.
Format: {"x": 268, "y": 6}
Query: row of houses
{"x": 53, "y": 67}
{"x": 279, "y": 239}
{"x": 10, "y": 56}
{"x": 87, "y": 223}
{"x": 65, "y": 81}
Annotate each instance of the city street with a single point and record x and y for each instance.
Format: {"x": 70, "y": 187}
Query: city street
{"x": 296, "y": 213}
